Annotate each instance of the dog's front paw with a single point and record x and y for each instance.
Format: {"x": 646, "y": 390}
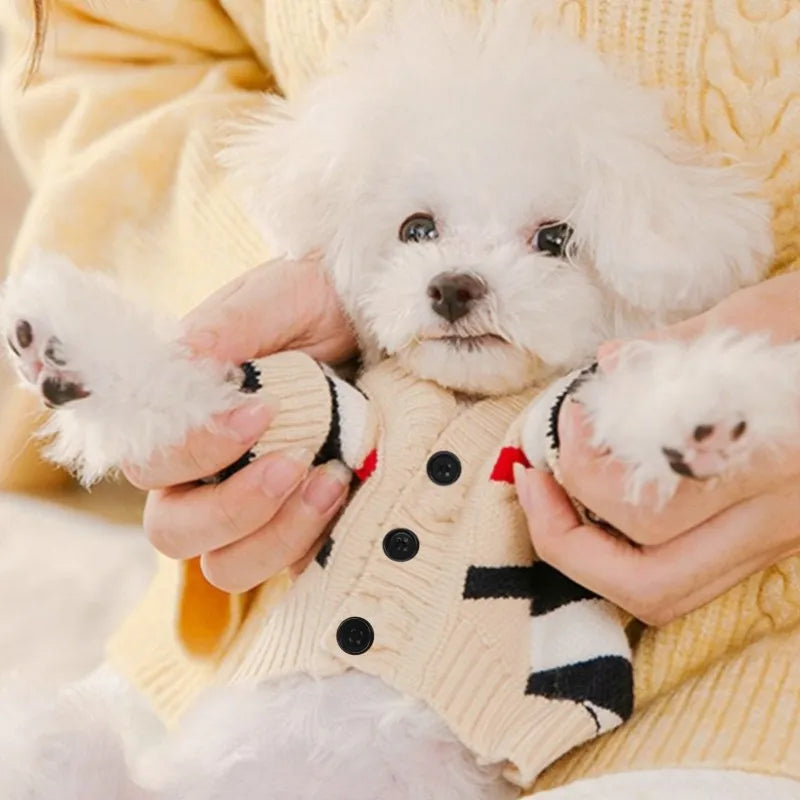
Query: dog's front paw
{"x": 122, "y": 383}
{"x": 41, "y": 360}
{"x": 696, "y": 410}
{"x": 709, "y": 450}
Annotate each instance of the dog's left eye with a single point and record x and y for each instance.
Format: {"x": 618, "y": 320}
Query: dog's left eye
{"x": 418, "y": 228}
{"x": 552, "y": 239}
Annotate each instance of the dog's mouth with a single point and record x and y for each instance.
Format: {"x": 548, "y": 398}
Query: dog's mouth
{"x": 473, "y": 343}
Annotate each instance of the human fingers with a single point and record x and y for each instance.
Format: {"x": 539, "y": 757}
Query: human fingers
{"x": 600, "y": 482}
{"x": 208, "y": 450}
{"x": 658, "y": 583}
{"x": 277, "y": 306}
{"x": 287, "y": 538}
{"x": 187, "y": 521}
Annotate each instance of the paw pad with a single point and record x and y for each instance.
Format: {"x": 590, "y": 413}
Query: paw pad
{"x": 707, "y": 452}
{"x": 703, "y": 432}
{"x": 41, "y": 361}
{"x": 24, "y": 333}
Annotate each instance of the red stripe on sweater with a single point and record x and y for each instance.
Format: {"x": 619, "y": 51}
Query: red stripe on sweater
{"x": 503, "y": 471}
{"x": 368, "y": 467}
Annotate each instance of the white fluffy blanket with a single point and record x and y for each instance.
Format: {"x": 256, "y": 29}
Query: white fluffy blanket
{"x": 66, "y": 581}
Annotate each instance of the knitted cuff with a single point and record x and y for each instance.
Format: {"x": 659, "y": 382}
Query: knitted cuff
{"x": 317, "y": 410}
{"x": 296, "y": 382}
{"x": 553, "y": 444}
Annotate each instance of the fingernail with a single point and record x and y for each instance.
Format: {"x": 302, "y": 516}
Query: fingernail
{"x": 327, "y": 486}
{"x": 201, "y": 341}
{"x": 284, "y": 471}
{"x": 247, "y": 422}
{"x": 521, "y": 482}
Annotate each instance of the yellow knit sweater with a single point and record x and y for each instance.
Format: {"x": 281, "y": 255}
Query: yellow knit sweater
{"x": 117, "y": 135}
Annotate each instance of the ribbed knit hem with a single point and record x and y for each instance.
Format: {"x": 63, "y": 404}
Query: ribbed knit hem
{"x": 530, "y": 732}
{"x": 304, "y": 414}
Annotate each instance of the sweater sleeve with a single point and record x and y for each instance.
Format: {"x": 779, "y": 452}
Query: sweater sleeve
{"x": 117, "y": 134}
{"x": 317, "y": 410}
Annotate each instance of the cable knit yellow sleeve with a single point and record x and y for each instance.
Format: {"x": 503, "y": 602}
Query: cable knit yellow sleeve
{"x": 117, "y": 133}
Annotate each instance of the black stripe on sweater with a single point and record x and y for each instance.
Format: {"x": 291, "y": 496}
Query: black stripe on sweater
{"x": 545, "y": 587}
{"x": 499, "y": 582}
{"x": 555, "y": 410}
{"x": 237, "y": 465}
{"x": 251, "y": 378}
{"x": 332, "y": 447}
{"x": 324, "y": 553}
{"x": 554, "y": 589}
{"x": 605, "y": 681}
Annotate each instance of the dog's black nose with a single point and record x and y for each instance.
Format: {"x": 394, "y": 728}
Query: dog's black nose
{"x": 453, "y": 293}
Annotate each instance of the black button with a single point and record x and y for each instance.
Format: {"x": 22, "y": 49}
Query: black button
{"x": 355, "y": 636}
{"x": 401, "y": 544}
{"x": 444, "y": 468}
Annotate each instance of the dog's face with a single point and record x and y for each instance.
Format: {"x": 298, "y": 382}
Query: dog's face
{"x": 471, "y": 279}
{"x": 494, "y": 204}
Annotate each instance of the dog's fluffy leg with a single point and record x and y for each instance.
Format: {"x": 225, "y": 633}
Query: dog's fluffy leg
{"x": 697, "y": 410}
{"x": 348, "y": 737}
{"x": 120, "y": 379}
{"x": 67, "y": 745}
{"x": 123, "y": 386}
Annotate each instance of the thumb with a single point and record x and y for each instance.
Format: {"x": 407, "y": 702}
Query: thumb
{"x": 686, "y": 330}
{"x": 771, "y": 307}
{"x": 544, "y": 501}
{"x": 258, "y": 313}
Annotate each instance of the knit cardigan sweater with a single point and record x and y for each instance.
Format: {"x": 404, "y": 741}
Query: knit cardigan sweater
{"x": 717, "y": 688}
{"x": 429, "y": 579}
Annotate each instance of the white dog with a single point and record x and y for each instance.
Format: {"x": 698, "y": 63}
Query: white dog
{"x": 493, "y": 205}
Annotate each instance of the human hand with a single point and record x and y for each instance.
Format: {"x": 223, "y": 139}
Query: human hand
{"x": 708, "y": 536}
{"x": 269, "y": 515}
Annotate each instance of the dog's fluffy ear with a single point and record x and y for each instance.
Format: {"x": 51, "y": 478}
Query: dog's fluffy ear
{"x": 666, "y": 230}
{"x": 282, "y": 169}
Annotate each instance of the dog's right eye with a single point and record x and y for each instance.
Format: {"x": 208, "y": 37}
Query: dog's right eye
{"x": 418, "y": 228}
{"x": 552, "y": 239}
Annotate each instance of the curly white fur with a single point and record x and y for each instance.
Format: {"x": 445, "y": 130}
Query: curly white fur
{"x": 344, "y": 738}
{"x": 70, "y": 745}
{"x": 495, "y": 136}
{"x": 657, "y": 394}
{"x": 145, "y": 390}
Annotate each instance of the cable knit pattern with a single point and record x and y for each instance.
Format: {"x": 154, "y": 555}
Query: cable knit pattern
{"x": 718, "y": 688}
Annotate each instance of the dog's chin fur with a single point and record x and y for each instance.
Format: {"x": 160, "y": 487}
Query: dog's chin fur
{"x": 493, "y": 368}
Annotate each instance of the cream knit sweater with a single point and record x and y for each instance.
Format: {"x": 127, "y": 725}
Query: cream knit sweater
{"x": 719, "y": 687}
{"x": 428, "y": 579}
